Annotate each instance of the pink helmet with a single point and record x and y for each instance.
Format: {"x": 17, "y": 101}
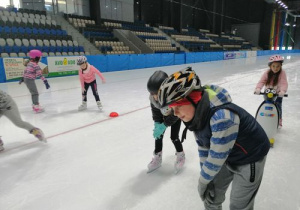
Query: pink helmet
{"x": 35, "y": 53}
{"x": 275, "y": 58}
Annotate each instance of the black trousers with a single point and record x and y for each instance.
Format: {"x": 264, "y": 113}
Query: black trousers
{"x": 175, "y": 128}
{"x": 94, "y": 89}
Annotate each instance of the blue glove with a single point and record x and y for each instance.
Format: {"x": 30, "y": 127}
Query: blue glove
{"x": 159, "y": 129}
{"x": 47, "y": 84}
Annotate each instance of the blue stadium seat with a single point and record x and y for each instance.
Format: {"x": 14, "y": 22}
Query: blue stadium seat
{"x": 24, "y": 49}
{"x": 81, "y": 49}
{"x": 6, "y": 29}
{"x": 14, "y": 30}
{"x": 8, "y": 49}
{"x": 59, "y": 48}
{"x": 70, "y": 49}
{"x": 47, "y": 31}
{"x": 41, "y": 31}
{"x": 16, "y": 49}
{"x": 45, "y": 49}
{"x": 53, "y": 32}
{"x": 21, "y": 30}
{"x": 35, "y": 31}
{"x": 52, "y": 49}
{"x": 28, "y": 30}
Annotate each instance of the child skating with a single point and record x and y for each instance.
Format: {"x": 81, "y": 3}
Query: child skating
{"x": 162, "y": 118}
{"x": 9, "y": 108}
{"x": 87, "y": 75}
{"x": 33, "y": 71}
{"x": 274, "y": 78}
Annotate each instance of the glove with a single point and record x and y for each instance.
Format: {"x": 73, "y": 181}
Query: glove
{"x": 206, "y": 192}
{"x": 159, "y": 129}
{"x": 21, "y": 81}
{"x": 47, "y": 84}
{"x": 280, "y": 94}
{"x": 257, "y": 91}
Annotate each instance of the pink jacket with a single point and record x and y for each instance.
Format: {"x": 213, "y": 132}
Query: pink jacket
{"x": 89, "y": 75}
{"x": 282, "y": 84}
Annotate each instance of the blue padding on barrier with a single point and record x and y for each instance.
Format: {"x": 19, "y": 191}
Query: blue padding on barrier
{"x": 153, "y": 60}
{"x": 206, "y": 56}
{"x": 99, "y": 61}
{"x": 216, "y": 56}
{"x": 179, "y": 59}
{"x": 198, "y": 57}
{"x": 44, "y": 60}
{"x": 118, "y": 62}
{"x": 2, "y": 73}
{"x": 167, "y": 59}
{"x": 190, "y": 58}
{"x": 137, "y": 61}
{"x": 107, "y": 63}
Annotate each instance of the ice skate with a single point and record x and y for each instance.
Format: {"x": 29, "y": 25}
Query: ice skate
{"x": 180, "y": 160}
{"x": 155, "y": 163}
{"x": 83, "y": 106}
{"x": 99, "y": 105}
{"x": 38, "y": 133}
{"x": 280, "y": 123}
{"x": 38, "y": 108}
{"x": 1, "y": 145}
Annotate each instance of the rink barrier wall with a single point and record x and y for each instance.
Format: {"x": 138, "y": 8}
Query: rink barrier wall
{"x": 110, "y": 63}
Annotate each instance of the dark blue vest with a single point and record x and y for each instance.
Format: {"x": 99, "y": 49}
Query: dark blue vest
{"x": 252, "y": 143}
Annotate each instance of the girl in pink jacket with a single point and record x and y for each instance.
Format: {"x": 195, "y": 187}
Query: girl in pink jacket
{"x": 274, "y": 78}
{"x": 87, "y": 76}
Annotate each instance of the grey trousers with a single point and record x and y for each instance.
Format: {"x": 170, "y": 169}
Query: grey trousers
{"x": 11, "y": 111}
{"x": 30, "y": 83}
{"x": 245, "y": 180}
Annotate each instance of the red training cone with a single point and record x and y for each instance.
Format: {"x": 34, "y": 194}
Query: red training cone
{"x": 113, "y": 114}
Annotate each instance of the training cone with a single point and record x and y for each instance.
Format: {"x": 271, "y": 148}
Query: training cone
{"x": 113, "y": 114}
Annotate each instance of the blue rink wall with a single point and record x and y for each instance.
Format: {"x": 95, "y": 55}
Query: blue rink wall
{"x": 109, "y": 63}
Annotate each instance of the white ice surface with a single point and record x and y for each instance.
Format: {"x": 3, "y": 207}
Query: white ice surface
{"x": 94, "y": 162}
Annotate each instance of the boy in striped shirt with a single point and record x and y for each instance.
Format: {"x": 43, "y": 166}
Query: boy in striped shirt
{"x": 232, "y": 146}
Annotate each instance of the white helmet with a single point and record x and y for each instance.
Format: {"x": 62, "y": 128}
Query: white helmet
{"x": 178, "y": 86}
{"x": 81, "y": 59}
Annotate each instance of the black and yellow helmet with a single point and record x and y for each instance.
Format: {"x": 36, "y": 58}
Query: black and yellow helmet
{"x": 178, "y": 86}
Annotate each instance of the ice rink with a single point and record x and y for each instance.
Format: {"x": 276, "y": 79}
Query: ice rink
{"x": 94, "y": 162}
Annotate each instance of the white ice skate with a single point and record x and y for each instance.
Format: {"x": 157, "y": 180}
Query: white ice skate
{"x": 99, "y": 105}
{"x": 38, "y": 108}
{"x": 180, "y": 160}
{"x": 1, "y": 145}
{"x": 83, "y": 106}
{"x": 38, "y": 133}
{"x": 155, "y": 163}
